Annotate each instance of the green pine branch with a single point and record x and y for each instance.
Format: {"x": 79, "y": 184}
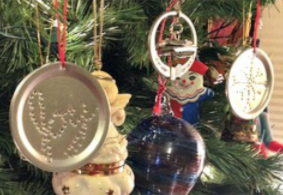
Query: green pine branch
{"x": 236, "y": 167}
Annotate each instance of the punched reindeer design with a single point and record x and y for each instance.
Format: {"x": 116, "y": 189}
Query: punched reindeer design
{"x": 54, "y": 127}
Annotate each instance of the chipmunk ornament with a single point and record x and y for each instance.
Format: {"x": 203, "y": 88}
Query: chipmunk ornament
{"x": 255, "y": 131}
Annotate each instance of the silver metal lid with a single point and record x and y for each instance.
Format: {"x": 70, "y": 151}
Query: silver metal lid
{"x": 250, "y": 84}
{"x": 59, "y": 117}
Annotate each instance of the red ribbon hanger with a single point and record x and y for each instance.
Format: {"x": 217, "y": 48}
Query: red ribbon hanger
{"x": 157, "y": 107}
{"x": 62, "y": 46}
{"x": 258, "y": 8}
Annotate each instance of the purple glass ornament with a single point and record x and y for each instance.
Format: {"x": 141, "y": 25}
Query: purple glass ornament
{"x": 166, "y": 154}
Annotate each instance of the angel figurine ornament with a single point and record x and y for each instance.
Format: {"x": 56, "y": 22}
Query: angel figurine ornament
{"x": 107, "y": 173}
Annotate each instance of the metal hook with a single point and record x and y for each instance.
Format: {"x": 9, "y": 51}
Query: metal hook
{"x": 177, "y": 6}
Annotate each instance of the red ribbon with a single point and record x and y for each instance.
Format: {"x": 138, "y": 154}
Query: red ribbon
{"x": 162, "y": 26}
{"x": 256, "y": 24}
{"x": 157, "y": 107}
{"x": 62, "y": 47}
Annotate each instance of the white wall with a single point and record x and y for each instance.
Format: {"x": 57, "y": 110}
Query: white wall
{"x": 271, "y": 36}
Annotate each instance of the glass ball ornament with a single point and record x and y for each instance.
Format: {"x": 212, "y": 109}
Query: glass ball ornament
{"x": 166, "y": 154}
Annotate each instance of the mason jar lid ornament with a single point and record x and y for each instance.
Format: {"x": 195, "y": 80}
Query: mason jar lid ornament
{"x": 250, "y": 84}
{"x": 176, "y": 47}
{"x": 59, "y": 115}
{"x": 251, "y": 80}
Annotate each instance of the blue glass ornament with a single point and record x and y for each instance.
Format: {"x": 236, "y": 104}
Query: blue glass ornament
{"x": 166, "y": 154}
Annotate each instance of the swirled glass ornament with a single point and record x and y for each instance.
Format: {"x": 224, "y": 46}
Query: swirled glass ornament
{"x": 166, "y": 154}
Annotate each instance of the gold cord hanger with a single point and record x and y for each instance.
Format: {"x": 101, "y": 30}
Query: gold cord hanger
{"x": 49, "y": 41}
{"x": 98, "y": 44}
{"x": 39, "y": 37}
{"x": 246, "y": 24}
{"x": 38, "y": 33}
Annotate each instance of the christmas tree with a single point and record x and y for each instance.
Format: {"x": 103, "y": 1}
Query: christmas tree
{"x": 28, "y": 40}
